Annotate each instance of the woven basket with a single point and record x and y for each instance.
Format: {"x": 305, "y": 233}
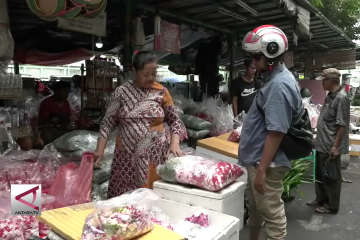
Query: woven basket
{"x": 52, "y": 10}
{"x": 94, "y": 13}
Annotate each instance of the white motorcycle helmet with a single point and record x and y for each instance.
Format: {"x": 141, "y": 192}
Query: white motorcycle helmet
{"x": 267, "y": 39}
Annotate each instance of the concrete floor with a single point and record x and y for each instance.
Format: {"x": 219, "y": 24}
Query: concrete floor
{"x": 305, "y": 224}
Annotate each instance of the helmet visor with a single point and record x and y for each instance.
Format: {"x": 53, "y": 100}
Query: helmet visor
{"x": 251, "y": 37}
{"x": 251, "y": 42}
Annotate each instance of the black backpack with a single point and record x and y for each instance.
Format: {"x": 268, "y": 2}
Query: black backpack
{"x": 298, "y": 141}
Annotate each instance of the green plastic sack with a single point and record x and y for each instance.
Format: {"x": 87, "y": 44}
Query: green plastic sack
{"x": 197, "y": 134}
{"x": 96, "y": 193}
{"x": 104, "y": 187}
{"x": 103, "y": 174}
{"x": 196, "y": 123}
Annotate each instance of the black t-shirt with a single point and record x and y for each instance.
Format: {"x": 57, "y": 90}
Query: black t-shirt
{"x": 245, "y": 93}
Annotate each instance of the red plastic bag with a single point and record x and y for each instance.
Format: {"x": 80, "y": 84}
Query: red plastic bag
{"x": 72, "y": 185}
{"x": 235, "y": 135}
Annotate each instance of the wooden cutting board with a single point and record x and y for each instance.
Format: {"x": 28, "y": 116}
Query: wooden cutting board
{"x": 220, "y": 146}
{"x": 68, "y": 223}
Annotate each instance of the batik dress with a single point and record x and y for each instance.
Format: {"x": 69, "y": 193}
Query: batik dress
{"x": 141, "y": 144}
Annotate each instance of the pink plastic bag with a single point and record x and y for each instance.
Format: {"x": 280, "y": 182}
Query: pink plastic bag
{"x": 72, "y": 185}
{"x": 16, "y": 174}
{"x": 208, "y": 174}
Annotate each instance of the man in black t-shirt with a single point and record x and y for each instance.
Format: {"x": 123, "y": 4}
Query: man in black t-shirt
{"x": 244, "y": 88}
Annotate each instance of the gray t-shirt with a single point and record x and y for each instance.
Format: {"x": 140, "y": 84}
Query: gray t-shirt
{"x": 334, "y": 113}
{"x": 281, "y": 101}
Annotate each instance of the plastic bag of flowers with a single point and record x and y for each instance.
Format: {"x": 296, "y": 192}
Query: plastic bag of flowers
{"x": 120, "y": 218}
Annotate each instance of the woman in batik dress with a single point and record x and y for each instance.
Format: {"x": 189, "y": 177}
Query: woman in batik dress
{"x": 138, "y": 109}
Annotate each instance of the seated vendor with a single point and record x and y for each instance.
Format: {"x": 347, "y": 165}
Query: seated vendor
{"x": 55, "y": 112}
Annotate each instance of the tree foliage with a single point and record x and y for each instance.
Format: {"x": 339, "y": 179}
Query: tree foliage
{"x": 342, "y": 13}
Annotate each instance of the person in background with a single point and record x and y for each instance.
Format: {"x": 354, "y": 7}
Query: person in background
{"x": 55, "y": 112}
{"x": 305, "y": 93}
{"x": 41, "y": 89}
{"x": 243, "y": 89}
{"x": 138, "y": 110}
{"x": 268, "y": 120}
{"x": 332, "y": 140}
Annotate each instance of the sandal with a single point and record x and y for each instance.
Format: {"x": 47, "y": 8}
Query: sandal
{"x": 313, "y": 203}
{"x": 322, "y": 210}
{"x": 344, "y": 180}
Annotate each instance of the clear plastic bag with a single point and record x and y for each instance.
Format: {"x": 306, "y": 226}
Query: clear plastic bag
{"x": 49, "y": 162}
{"x": 18, "y": 227}
{"x": 27, "y": 167}
{"x": 196, "y": 225}
{"x": 120, "y": 218}
{"x": 72, "y": 185}
{"x": 77, "y": 140}
{"x": 208, "y": 174}
{"x": 158, "y": 217}
{"x": 313, "y": 112}
{"x": 239, "y": 120}
{"x": 7, "y": 141}
{"x": 218, "y": 113}
{"x": 238, "y": 123}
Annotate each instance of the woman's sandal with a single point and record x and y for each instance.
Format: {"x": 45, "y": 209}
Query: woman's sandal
{"x": 322, "y": 210}
{"x": 313, "y": 203}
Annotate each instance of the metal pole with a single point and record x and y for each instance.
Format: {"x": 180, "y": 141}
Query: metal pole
{"x": 128, "y": 51}
{"x": 16, "y": 68}
{"x": 231, "y": 67}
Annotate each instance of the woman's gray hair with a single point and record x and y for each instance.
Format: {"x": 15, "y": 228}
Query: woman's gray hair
{"x": 142, "y": 58}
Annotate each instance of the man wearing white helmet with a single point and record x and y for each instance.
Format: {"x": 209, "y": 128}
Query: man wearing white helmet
{"x": 268, "y": 121}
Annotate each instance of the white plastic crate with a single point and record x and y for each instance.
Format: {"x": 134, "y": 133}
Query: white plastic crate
{"x": 229, "y": 200}
{"x": 229, "y": 225}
